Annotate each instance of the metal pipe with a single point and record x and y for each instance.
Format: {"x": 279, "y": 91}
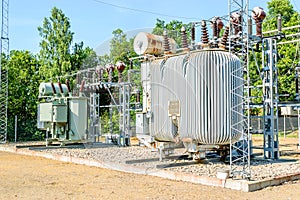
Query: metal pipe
{"x": 292, "y": 35}
{"x": 283, "y": 29}
{"x": 286, "y": 42}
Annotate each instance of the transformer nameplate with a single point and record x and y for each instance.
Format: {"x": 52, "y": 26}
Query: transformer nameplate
{"x": 174, "y": 108}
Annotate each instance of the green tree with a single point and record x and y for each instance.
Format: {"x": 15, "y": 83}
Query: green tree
{"x": 287, "y": 53}
{"x": 120, "y": 48}
{"x": 173, "y": 29}
{"x": 23, "y": 79}
{"x": 55, "y": 44}
{"x": 83, "y": 57}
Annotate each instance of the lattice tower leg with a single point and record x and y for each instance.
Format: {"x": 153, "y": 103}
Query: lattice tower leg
{"x": 239, "y": 115}
{"x": 4, "y": 72}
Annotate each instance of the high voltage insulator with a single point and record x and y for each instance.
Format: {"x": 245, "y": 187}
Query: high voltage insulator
{"x": 183, "y": 38}
{"x": 224, "y": 39}
{"x": 204, "y": 33}
{"x": 258, "y": 14}
{"x": 166, "y": 42}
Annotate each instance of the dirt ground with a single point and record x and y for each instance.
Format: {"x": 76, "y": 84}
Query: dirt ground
{"x": 28, "y": 177}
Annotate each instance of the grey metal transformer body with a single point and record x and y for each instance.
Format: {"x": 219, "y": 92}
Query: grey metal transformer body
{"x": 63, "y": 116}
{"x": 187, "y": 97}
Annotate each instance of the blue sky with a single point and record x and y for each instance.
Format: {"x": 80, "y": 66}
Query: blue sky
{"x": 93, "y": 22}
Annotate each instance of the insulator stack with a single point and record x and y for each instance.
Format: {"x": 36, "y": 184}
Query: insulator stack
{"x": 279, "y": 23}
{"x": 183, "y": 38}
{"x": 250, "y": 26}
{"x": 258, "y": 14}
{"x": 53, "y": 88}
{"x": 193, "y": 34}
{"x": 120, "y": 67}
{"x": 220, "y": 25}
{"x": 166, "y": 42}
{"x": 214, "y": 28}
{"x": 82, "y": 86}
{"x": 204, "y": 33}
{"x": 138, "y": 99}
{"x": 99, "y": 71}
{"x": 60, "y": 87}
{"x": 236, "y": 19}
{"x": 110, "y": 68}
{"x": 68, "y": 85}
{"x": 224, "y": 39}
{"x": 216, "y": 25}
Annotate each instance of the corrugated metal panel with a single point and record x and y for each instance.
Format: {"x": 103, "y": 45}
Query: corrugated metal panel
{"x": 201, "y": 82}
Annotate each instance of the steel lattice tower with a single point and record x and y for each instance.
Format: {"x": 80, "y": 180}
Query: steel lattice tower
{"x": 4, "y": 71}
{"x": 240, "y": 151}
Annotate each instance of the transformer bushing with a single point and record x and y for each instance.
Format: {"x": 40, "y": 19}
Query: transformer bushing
{"x": 258, "y": 14}
{"x": 236, "y": 20}
{"x": 120, "y": 67}
{"x": 110, "y": 68}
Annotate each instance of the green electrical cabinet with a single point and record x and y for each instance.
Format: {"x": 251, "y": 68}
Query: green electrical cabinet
{"x": 45, "y": 112}
{"x": 60, "y": 113}
{"x": 78, "y": 118}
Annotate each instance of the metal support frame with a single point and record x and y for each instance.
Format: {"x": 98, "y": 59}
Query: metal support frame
{"x": 124, "y": 112}
{"x": 4, "y": 72}
{"x": 270, "y": 98}
{"x": 94, "y": 116}
{"x": 240, "y": 151}
{"x": 122, "y": 104}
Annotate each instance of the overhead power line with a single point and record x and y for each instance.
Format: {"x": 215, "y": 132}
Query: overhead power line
{"x": 144, "y": 11}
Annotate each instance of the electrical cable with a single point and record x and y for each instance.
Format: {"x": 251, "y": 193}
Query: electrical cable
{"x": 144, "y": 11}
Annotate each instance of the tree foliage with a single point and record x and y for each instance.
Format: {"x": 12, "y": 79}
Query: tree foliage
{"x": 55, "y": 44}
{"x": 27, "y": 71}
{"x": 121, "y": 49}
{"x": 173, "y": 29}
{"x": 288, "y": 54}
{"x": 23, "y": 94}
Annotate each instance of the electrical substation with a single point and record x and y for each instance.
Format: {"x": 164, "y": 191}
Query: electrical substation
{"x": 197, "y": 96}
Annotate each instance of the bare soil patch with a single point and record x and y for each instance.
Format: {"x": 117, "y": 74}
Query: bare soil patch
{"x": 28, "y": 177}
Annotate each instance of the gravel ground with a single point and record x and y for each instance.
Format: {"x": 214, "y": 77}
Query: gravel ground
{"x": 179, "y": 162}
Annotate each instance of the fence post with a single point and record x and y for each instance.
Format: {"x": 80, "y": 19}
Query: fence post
{"x": 298, "y": 109}
{"x": 284, "y": 125}
{"x": 16, "y": 127}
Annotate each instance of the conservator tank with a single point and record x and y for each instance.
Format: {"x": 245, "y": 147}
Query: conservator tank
{"x": 191, "y": 99}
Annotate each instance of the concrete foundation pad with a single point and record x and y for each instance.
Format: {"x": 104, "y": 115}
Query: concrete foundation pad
{"x": 242, "y": 185}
